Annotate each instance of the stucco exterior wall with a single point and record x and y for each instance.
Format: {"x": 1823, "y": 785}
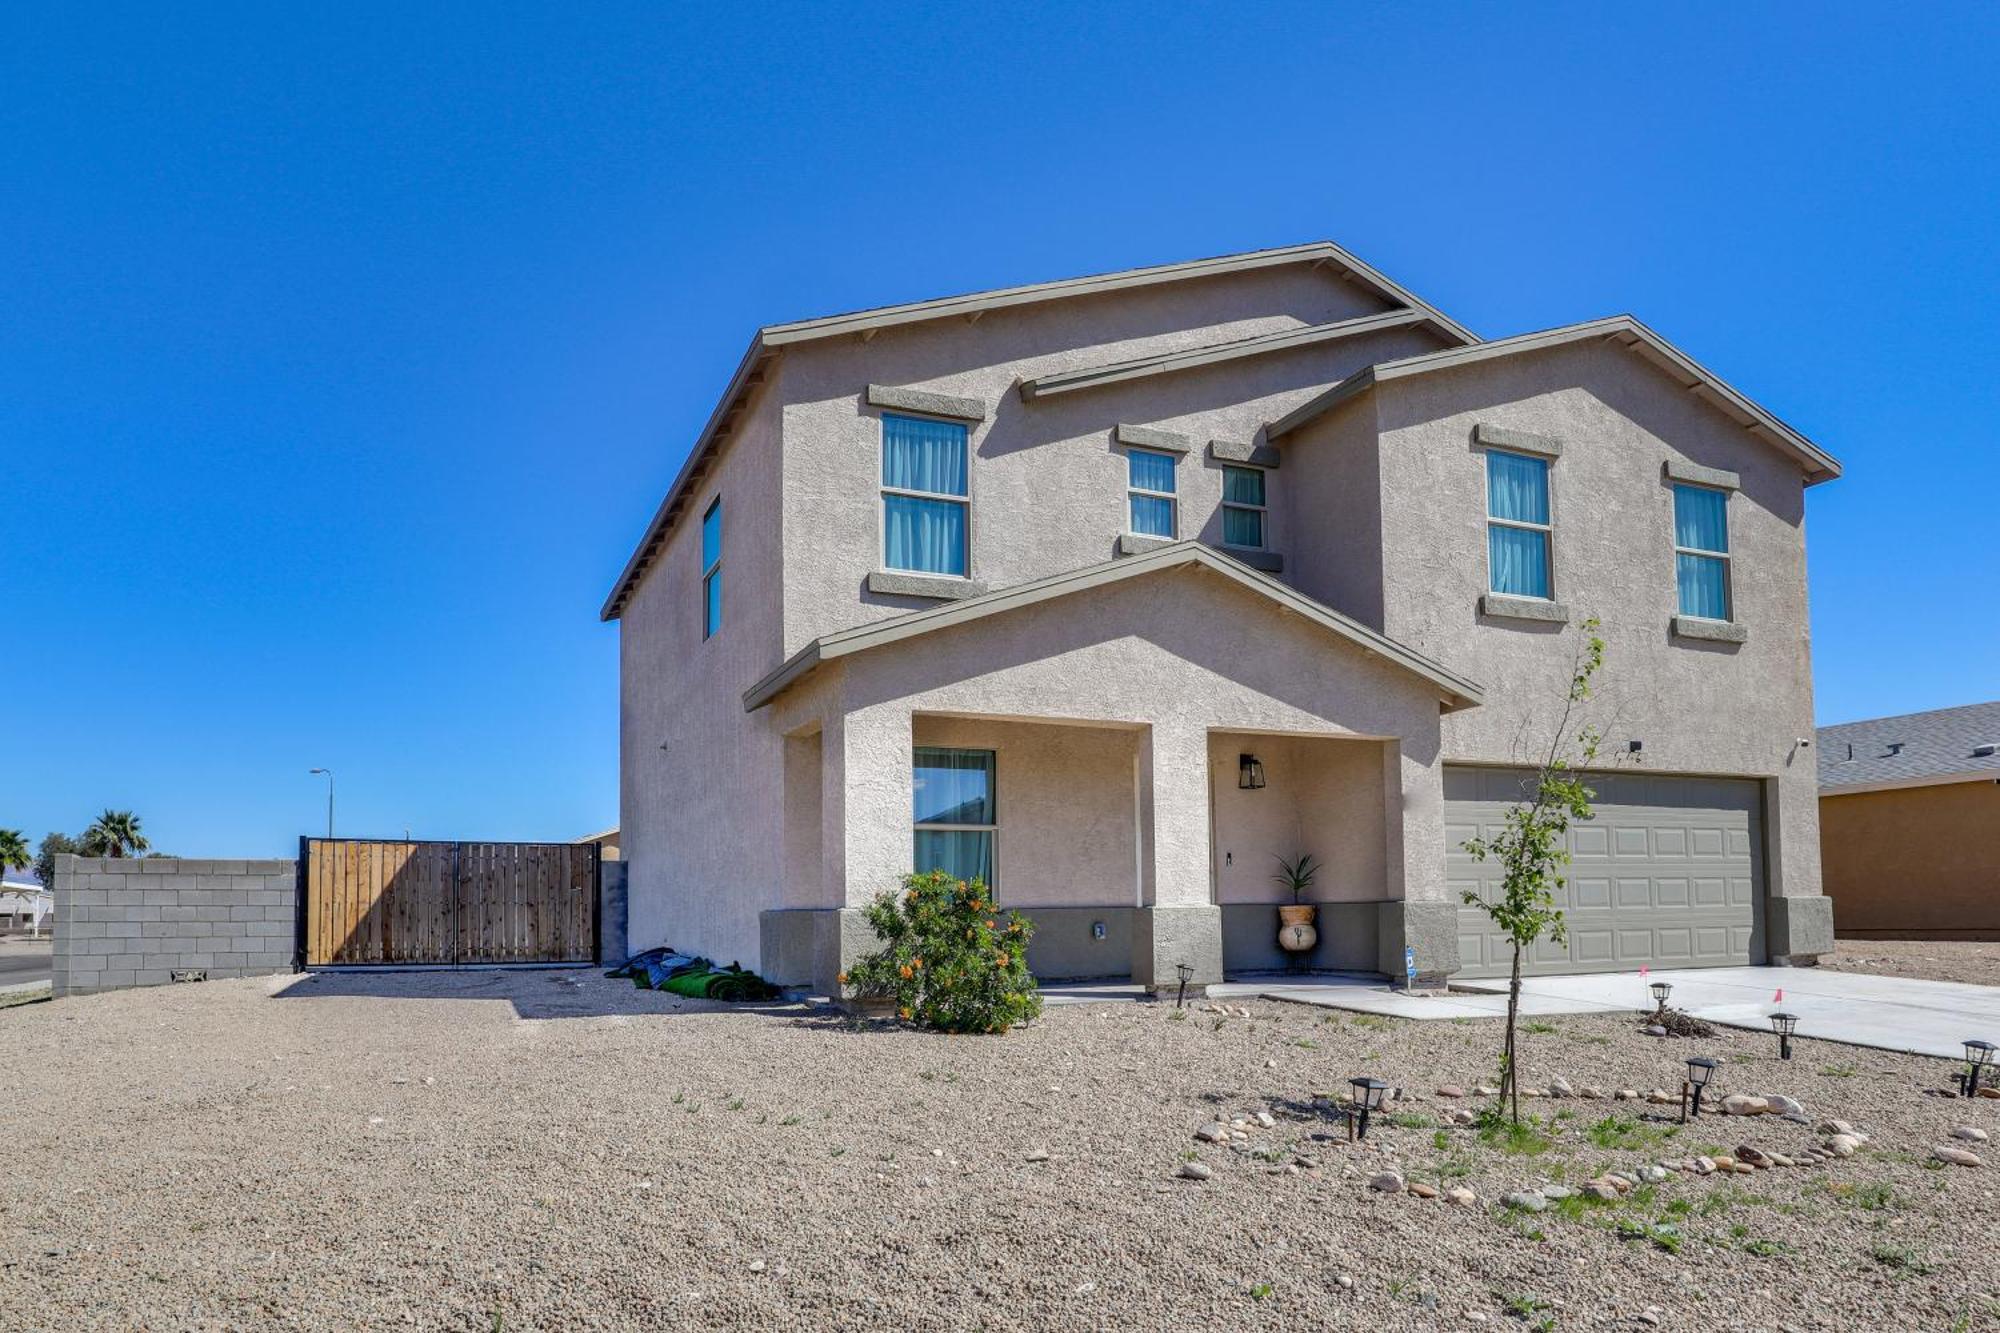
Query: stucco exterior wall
{"x": 1333, "y": 495}
{"x": 1067, "y": 799}
{"x": 1921, "y": 862}
{"x": 1048, "y": 483}
{"x": 700, "y": 822}
{"x": 1697, "y": 707}
{"x": 1321, "y": 796}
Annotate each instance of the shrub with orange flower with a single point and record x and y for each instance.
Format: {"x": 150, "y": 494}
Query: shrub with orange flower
{"x": 945, "y": 963}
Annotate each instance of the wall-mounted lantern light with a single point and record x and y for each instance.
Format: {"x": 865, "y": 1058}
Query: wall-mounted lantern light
{"x": 1249, "y": 772}
{"x": 1368, "y": 1095}
{"x": 1978, "y": 1054}
{"x": 1784, "y": 1025}
{"x": 1700, "y": 1070}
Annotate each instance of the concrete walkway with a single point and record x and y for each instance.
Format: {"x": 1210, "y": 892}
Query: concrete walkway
{"x": 1890, "y": 1013}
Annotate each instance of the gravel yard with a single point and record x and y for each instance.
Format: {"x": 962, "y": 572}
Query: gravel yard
{"x": 1933, "y": 960}
{"x": 540, "y": 1150}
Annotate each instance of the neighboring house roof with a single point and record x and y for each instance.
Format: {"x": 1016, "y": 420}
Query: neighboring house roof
{"x": 1621, "y": 329}
{"x": 1912, "y": 750}
{"x": 20, "y": 878}
{"x": 770, "y": 340}
{"x": 1457, "y": 690}
{"x": 596, "y": 837}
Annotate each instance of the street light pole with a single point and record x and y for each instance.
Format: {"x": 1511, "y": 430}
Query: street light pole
{"x": 328, "y": 774}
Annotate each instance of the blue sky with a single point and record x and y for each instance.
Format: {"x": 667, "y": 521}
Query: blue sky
{"x": 344, "y": 352}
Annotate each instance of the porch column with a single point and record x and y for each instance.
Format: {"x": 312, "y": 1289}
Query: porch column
{"x": 865, "y": 831}
{"x": 1422, "y": 915}
{"x": 1177, "y": 920}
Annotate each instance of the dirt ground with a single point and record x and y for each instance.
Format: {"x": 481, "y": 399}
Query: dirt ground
{"x": 1932, "y": 960}
{"x": 537, "y": 1150}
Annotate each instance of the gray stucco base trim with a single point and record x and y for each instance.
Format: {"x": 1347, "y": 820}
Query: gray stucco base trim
{"x": 1271, "y": 562}
{"x": 612, "y": 914}
{"x": 1430, "y": 929}
{"x": 923, "y": 585}
{"x": 1798, "y": 930}
{"x": 1522, "y": 608}
{"x": 1347, "y": 938}
{"x": 809, "y": 947}
{"x": 1164, "y": 937}
{"x": 1712, "y": 631}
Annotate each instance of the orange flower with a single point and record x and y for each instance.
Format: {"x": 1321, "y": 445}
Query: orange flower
{"x": 917, "y": 963}
{"x": 905, "y": 971}
{"x": 1014, "y": 929}
{"x": 1003, "y": 960}
{"x": 905, "y": 1012}
{"x": 842, "y": 978}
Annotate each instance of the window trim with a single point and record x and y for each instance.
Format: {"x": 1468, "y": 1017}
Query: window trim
{"x": 1172, "y": 497}
{"x": 1727, "y": 558}
{"x": 1548, "y": 529}
{"x": 1263, "y": 511}
{"x": 711, "y": 573}
{"x": 884, "y": 490}
{"x": 992, "y": 830}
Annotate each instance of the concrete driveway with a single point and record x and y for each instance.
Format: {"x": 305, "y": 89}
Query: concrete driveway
{"x": 1891, "y": 1013}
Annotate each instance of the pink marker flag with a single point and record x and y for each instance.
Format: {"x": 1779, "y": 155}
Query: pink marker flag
{"x": 1642, "y": 969}
{"x": 1779, "y": 998}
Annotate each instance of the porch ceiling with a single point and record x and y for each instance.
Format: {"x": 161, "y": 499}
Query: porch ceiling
{"x": 1454, "y": 691}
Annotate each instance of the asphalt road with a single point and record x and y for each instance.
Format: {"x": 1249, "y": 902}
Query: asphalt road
{"x": 23, "y": 961}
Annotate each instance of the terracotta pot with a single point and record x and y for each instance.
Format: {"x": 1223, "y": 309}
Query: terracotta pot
{"x": 1295, "y": 929}
{"x": 1297, "y": 914}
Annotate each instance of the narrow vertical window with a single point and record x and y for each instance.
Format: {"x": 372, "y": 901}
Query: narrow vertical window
{"x": 1243, "y": 509}
{"x": 1701, "y": 551}
{"x": 1517, "y": 525}
{"x": 924, "y": 499}
{"x": 1149, "y": 483}
{"x": 711, "y": 569}
{"x": 954, "y": 812}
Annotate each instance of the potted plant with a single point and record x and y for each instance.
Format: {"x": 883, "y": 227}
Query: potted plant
{"x": 1295, "y": 922}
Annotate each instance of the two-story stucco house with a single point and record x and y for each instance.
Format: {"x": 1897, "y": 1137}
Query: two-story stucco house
{"x": 1112, "y": 590}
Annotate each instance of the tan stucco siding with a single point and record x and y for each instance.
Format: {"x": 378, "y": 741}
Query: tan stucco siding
{"x": 1917, "y": 861}
{"x": 1321, "y": 796}
{"x": 700, "y": 789}
{"x": 1697, "y": 707}
{"x": 1048, "y": 483}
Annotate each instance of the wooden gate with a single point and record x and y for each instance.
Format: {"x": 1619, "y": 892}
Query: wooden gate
{"x": 448, "y": 902}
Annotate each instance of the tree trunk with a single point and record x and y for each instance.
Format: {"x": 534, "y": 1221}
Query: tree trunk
{"x": 1511, "y": 1087}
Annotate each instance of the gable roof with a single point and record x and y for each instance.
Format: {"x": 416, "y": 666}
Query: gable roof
{"x": 772, "y": 339}
{"x": 1623, "y": 330}
{"x": 1209, "y": 354}
{"x": 20, "y": 877}
{"x": 1456, "y": 691}
{"x": 1911, "y": 750}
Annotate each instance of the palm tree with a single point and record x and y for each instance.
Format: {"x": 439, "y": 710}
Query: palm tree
{"x": 116, "y": 833}
{"x": 14, "y": 849}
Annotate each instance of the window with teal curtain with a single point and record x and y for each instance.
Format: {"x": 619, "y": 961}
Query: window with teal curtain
{"x": 711, "y": 569}
{"x": 924, "y": 495}
{"x": 1517, "y": 527}
{"x": 1243, "y": 507}
{"x": 1149, "y": 477}
{"x": 954, "y": 811}
{"x": 1701, "y": 551}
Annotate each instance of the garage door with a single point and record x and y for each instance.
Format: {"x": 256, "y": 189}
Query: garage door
{"x": 1670, "y": 873}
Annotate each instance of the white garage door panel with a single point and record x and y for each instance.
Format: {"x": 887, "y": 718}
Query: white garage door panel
{"x": 1668, "y": 873}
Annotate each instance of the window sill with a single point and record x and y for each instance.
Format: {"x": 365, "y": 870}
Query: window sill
{"x": 1522, "y": 608}
{"x": 1710, "y": 631}
{"x": 944, "y": 587}
{"x": 1133, "y": 543}
{"x": 1256, "y": 557}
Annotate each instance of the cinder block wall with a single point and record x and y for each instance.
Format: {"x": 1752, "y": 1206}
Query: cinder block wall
{"x": 123, "y": 922}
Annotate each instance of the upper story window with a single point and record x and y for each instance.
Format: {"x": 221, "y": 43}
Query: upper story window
{"x": 1701, "y": 551}
{"x": 711, "y": 569}
{"x": 1518, "y": 531}
{"x": 924, "y": 498}
{"x": 1243, "y": 510}
{"x": 1149, "y": 481}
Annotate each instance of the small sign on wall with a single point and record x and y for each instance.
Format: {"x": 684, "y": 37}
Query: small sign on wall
{"x": 1410, "y": 967}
